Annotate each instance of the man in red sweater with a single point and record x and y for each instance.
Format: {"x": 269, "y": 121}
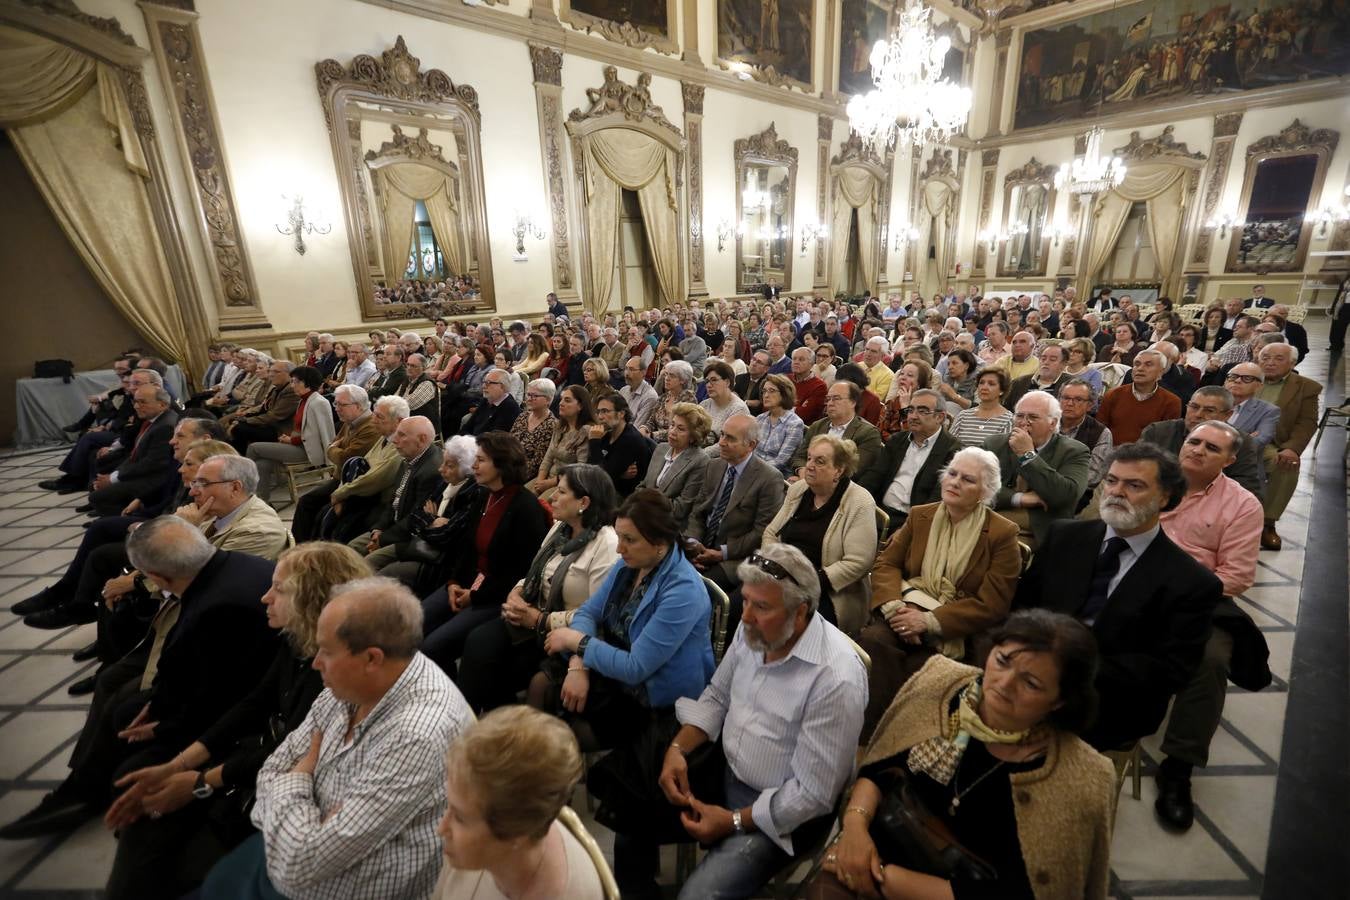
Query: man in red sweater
{"x": 810, "y": 387}
{"x": 1130, "y": 408}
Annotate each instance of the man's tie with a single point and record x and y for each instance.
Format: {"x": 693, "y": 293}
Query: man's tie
{"x": 720, "y": 509}
{"x": 1107, "y": 566}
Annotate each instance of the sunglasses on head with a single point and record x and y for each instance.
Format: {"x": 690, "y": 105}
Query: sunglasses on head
{"x": 767, "y": 565}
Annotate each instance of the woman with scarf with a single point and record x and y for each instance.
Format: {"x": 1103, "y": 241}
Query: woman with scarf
{"x": 949, "y": 573}
{"x": 994, "y": 757}
{"x": 502, "y": 655}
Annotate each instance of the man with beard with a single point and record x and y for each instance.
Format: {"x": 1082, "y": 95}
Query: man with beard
{"x": 785, "y": 708}
{"x": 1148, "y": 602}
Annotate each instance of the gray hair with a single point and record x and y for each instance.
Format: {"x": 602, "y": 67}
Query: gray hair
{"x": 359, "y": 346}
{"x": 1219, "y": 393}
{"x": 461, "y": 449}
{"x": 1162, "y": 357}
{"x": 681, "y": 369}
{"x": 1056, "y": 412}
{"x": 420, "y": 360}
{"x": 806, "y": 588}
{"x": 169, "y": 546}
{"x": 1293, "y": 351}
{"x": 326, "y": 338}
{"x": 237, "y": 468}
{"x": 1234, "y": 435}
{"x": 154, "y": 377}
{"x": 395, "y": 407}
{"x": 600, "y": 366}
{"x": 879, "y": 342}
{"x": 991, "y": 474}
{"x": 355, "y": 393}
{"x": 161, "y": 395}
{"x": 1080, "y": 382}
{"x": 381, "y": 613}
{"x": 929, "y": 392}
{"x": 545, "y": 386}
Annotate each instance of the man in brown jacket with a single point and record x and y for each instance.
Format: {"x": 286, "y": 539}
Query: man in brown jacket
{"x": 1296, "y": 396}
{"x": 358, "y": 432}
{"x": 276, "y": 413}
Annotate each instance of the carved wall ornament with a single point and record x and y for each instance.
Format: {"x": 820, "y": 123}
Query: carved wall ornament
{"x": 825, "y": 127}
{"x": 693, "y": 98}
{"x": 854, "y": 150}
{"x": 986, "y": 212}
{"x": 765, "y": 145}
{"x": 547, "y": 64}
{"x": 1227, "y": 124}
{"x": 396, "y": 74}
{"x": 67, "y": 9}
{"x": 1032, "y": 171}
{"x": 185, "y": 5}
{"x": 694, "y": 131}
{"x": 553, "y": 166}
{"x": 1162, "y": 148}
{"x": 417, "y": 148}
{"x": 634, "y": 101}
{"x": 940, "y": 163}
{"x": 764, "y": 75}
{"x": 1294, "y": 138}
{"x": 621, "y": 30}
{"x": 989, "y": 157}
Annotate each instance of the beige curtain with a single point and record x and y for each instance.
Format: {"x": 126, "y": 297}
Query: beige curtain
{"x": 936, "y": 196}
{"x": 81, "y": 149}
{"x": 855, "y": 188}
{"x": 637, "y": 162}
{"x": 402, "y": 185}
{"x": 1162, "y": 187}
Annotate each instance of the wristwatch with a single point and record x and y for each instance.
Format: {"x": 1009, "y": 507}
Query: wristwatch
{"x": 1028, "y": 456}
{"x": 736, "y": 825}
{"x": 581, "y": 646}
{"x": 201, "y": 790}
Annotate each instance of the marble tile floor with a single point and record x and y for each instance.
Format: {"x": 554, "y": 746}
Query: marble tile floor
{"x": 1224, "y": 855}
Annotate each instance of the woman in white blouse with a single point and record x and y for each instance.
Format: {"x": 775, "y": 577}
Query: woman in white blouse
{"x": 502, "y": 655}
{"x": 722, "y": 402}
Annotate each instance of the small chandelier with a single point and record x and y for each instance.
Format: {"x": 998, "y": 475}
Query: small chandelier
{"x": 912, "y": 102}
{"x": 1091, "y": 173}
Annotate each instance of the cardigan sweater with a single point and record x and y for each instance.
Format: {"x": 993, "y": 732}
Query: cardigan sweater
{"x": 1127, "y": 417}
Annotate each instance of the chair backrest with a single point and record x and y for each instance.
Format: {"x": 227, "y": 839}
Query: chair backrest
{"x": 572, "y": 822}
{"x": 1113, "y": 374}
{"x": 721, "y": 604}
{"x": 883, "y": 526}
{"x": 862, "y": 654}
{"x": 1025, "y": 549}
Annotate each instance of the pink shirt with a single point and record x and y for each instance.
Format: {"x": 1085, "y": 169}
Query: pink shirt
{"x": 1220, "y": 527}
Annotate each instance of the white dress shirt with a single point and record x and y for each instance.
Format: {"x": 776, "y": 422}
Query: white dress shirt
{"x": 898, "y": 495}
{"x": 1128, "y": 557}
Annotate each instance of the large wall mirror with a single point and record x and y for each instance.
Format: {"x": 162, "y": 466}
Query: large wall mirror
{"x": 766, "y": 189}
{"x": 1283, "y": 181}
{"x": 1028, "y": 205}
{"x": 406, "y": 144}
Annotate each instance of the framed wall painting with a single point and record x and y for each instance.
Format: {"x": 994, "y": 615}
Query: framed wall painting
{"x": 775, "y": 39}
{"x": 635, "y": 23}
{"x": 861, "y": 24}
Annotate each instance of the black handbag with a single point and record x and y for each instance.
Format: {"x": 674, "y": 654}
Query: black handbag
{"x": 54, "y": 368}
{"x": 925, "y": 842}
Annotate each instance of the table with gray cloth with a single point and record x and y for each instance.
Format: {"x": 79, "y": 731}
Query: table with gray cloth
{"x": 43, "y": 406}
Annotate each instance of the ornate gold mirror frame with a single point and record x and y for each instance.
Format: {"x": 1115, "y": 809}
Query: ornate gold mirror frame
{"x": 1033, "y": 174}
{"x": 765, "y": 150}
{"x": 412, "y": 98}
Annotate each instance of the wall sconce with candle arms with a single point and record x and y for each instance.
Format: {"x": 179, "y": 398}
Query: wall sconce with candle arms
{"x": 812, "y": 232}
{"x": 1221, "y": 223}
{"x": 724, "y": 233}
{"x": 525, "y": 225}
{"x": 990, "y": 239}
{"x": 298, "y": 226}
{"x": 1057, "y": 233}
{"x": 904, "y": 234}
{"x": 1331, "y": 215}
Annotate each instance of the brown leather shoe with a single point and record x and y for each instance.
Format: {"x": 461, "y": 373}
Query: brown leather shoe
{"x": 1269, "y": 539}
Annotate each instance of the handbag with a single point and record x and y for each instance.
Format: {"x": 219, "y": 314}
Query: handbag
{"x": 925, "y": 842}
{"x": 54, "y": 368}
{"x": 417, "y": 550}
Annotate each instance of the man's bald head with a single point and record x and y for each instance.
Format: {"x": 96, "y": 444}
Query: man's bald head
{"x": 413, "y": 436}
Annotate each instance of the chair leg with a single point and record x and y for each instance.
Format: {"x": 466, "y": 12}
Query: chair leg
{"x": 1321, "y": 427}
{"x": 1136, "y": 772}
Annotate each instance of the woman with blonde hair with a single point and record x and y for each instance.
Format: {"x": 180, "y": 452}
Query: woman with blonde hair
{"x": 595, "y": 377}
{"x": 501, "y": 840}
{"x": 536, "y": 357}
{"x": 833, "y": 520}
{"x": 162, "y": 815}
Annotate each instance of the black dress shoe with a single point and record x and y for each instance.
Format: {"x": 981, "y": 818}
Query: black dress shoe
{"x": 86, "y": 653}
{"x": 85, "y": 508}
{"x": 83, "y": 686}
{"x": 72, "y": 489}
{"x": 60, "y": 617}
{"x": 56, "y": 484}
{"x": 56, "y": 813}
{"x": 43, "y": 600}
{"x": 1174, "y": 807}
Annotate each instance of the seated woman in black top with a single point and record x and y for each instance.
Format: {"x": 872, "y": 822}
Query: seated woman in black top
{"x": 618, "y": 447}
{"x": 509, "y": 525}
{"x": 995, "y": 757}
{"x": 177, "y": 819}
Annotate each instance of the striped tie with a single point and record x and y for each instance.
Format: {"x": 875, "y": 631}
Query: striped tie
{"x": 715, "y": 518}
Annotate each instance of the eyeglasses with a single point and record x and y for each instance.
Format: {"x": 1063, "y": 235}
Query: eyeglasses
{"x": 764, "y": 564}
{"x": 200, "y": 483}
{"x": 531, "y": 396}
{"x": 1245, "y": 379}
{"x": 921, "y": 411}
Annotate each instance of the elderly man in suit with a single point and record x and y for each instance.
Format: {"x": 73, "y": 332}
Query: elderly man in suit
{"x": 1044, "y": 473}
{"x": 209, "y": 644}
{"x": 417, "y": 481}
{"x": 1211, "y": 404}
{"x": 842, "y": 419}
{"x": 265, "y": 421}
{"x": 743, "y": 494}
{"x": 148, "y": 455}
{"x": 1296, "y": 396}
{"x": 1251, "y": 415}
{"x": 498, "y": 409}
{"x": 907, "y": 473}
{"x": 1148, "y": 603}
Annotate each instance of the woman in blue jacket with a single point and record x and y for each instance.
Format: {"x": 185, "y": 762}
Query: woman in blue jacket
{"x": 640, "y": 642}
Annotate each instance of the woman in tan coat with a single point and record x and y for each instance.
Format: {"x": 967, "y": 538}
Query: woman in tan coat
{"x": 833, "y": 520}
{"x": 949, "y": 573}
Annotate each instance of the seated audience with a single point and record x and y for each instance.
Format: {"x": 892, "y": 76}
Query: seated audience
{"x": 907, "y": 473}
{"x": 499, "y": 841}
{"x": 842, "y": 419}
{"x": 596, "y": 379}
{"x": 498, "y": 409}
{"x": 676, "y": 381}
{"x": 868, "y": 404}
{"x": 1296, "y": 396}
{"x": 832, "y": 521}
{"x": 913, "y": 375}
{"x": 570, "y": 442}
{"x": 617, "y": 447}
{"x": 780, "y": 427}
{"x": 417, "y": 481}
{"x": 1076, "y": 399}
{"x": 637, "y": 392}
{"x": 1044, "y": 473}
{"x": 948, "y": 574}
{"x": 534, "y": 426}
{"x": 957, "y": 385}
{"x": 1049, "y": 377}
{"x": 722, "y": 402}
{"x": 347, "y": 805}
{"x": 1078, "y": 362}
{"x": 1149, "y": 604}
{"x": 420, "y": 390}
{"x": 1254, "y": 417}
{"x": 176, "y": 819}
{"x": 679, "y": 465}
{"x": 1210, "y": 404}
{"x": 1124, "y": 349}
{"x": 1127, "y": 410}
{"x": 388, "y": 380}
{"x": 809, "y": 389}
{"x": 141, "y": 469}
{"x": 988, "y": 418}
{"x": 307, "y": 438}
{"x": 508, "y": 525}
{"x": 503, "y": 654}
{"x": 266, "y": 420}
{"x": 994, "y": 756}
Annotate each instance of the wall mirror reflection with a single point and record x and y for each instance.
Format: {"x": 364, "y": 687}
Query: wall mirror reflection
{"x": 766, "y": 177}
{"x": 1029, "y": 202}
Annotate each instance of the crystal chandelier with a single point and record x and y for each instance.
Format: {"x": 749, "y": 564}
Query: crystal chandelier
{"x": 912, "y": 102}
{"x": 1091, "y": 173}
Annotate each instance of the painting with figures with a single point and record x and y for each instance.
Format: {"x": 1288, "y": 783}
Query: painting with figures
{"x": 768, "y": 33}
{"x": 1171, "y": 50}
{"x": 648, "y": 15}
{"x": 862, "y": 24}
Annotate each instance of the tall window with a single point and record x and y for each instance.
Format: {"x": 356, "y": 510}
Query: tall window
{"x": 425, "y": 261}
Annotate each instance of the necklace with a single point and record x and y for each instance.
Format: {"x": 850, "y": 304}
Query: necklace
{"x": 956, "y": 777}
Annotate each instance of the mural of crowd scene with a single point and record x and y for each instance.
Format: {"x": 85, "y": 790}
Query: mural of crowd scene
{"x": 1274, "y": 221}
{"x": 767, "y": 33}
{"x": 862, "y": 24}
{"x": 648, "y": 15}
{"x": 1174, "y": 49}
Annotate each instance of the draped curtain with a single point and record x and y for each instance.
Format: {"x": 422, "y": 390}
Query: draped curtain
{"x": 1162, "y": 188}
{"x": 81, "y": 149}
{"x": 623, "y": 158}
{"x": 401, "y": 186}
{"x": 936, "y": 196}
{"x": 855, "y": 188}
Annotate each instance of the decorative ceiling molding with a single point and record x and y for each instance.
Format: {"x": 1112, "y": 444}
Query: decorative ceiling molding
{"x": 766, "y": 145}
{"x": 398, "y": 75}
{"x": 634, "y": 101}
{"x": 1032, "y": 171}
{"x": 1163, "y": 148}
{"x": 1296, "y": 137}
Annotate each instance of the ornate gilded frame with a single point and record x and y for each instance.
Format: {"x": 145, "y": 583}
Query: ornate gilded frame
{"x": 623, "y": 32}
{"x": 767, "y": 149}
{"x": 1295, "y": 140}
{"x": 1031, "y": 173}
{"x": 396, "y": 81}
